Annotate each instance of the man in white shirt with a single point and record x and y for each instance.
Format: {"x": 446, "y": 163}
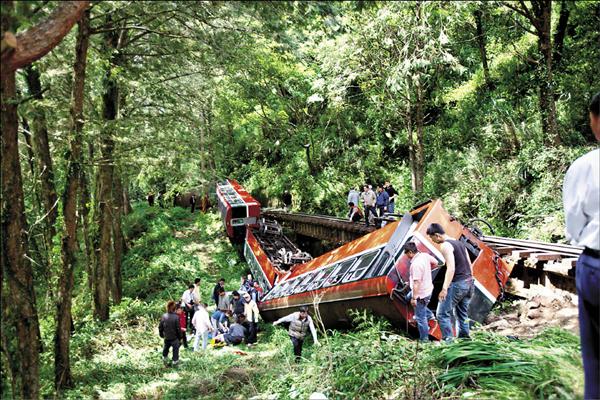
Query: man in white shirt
{"x": 369, "y": 200}
{"x": 581, "y": 198}
{"x": 187, "y": 303}
{"x": 300, "y": 323}
{"x": 201, "y": 322}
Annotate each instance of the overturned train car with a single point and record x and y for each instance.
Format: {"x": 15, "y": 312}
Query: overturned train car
{"x": 369, "y": 273}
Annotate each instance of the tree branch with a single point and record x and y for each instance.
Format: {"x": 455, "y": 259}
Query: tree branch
{"x": 40, "y": 39}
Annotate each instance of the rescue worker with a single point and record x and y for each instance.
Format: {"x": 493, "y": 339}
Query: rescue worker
{"x": 300, "y": 322}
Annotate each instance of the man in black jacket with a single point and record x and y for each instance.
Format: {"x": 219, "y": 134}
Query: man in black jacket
{"x": 215, "y": 293}
{"x": 170, "y": 331}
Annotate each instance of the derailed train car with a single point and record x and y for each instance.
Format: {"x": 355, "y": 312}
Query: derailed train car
{"x": 369, "y": 273}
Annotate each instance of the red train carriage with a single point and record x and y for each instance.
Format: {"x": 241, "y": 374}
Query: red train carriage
{"x": 372, "y": 273}
{"x": 369, "y": 273}
{"x": 238, "y": 209}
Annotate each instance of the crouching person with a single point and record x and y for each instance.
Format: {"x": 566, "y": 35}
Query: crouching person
{"x": 168, "y": 328}
{"x": 201, "y": 322}
{"x": 236, "y": 334}
{"x": 300, "y": 323}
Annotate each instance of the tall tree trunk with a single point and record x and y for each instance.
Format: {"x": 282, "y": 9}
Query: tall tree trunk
{"x": 110, "y": 101}
{"x": 546, "y": 87}
{"x": 20, "y": 313}
{"x": 84, "y": 211}
{"x": 118, "y": 240}
{"x": 411, "y": 146}
{"x": 561, "y": 32}
{"x": 419, "y": 153}
{"x": 62, "y": 364}
{"x": 127, "y": 209}
{"x": 41, "y": 147}
{"x": 30, "y": 156}
{"x": 481, "y": 41}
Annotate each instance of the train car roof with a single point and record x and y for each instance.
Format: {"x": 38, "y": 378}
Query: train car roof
{"x": 371, "y": 240}
{"x": 234, "y": 194}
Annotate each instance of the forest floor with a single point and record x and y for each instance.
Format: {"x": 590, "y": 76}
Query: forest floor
{"x": 122, "y": 358}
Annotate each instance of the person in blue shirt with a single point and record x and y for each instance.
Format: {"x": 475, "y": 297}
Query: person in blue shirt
{"x": 382, "y": 203}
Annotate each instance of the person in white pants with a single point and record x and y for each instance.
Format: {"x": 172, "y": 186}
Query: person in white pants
{"x": 201, "y": 322}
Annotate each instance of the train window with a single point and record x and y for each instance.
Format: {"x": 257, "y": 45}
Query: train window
{"x": 472, "y": 247}
{"x": 290, "y": 289}
{"x": 339, "y": 272}
{"x": 360, "y": 267}
{"x": 238, "y": 212}
{"x": 305, "y": 282}
{"x": 320, "y": 278}
{"x": 279, "y": 289}
{"x": 380, "y": 266}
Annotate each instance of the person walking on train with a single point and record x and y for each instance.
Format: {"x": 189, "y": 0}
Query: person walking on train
{"x": 421, "y": 285}
{"x": 287, "y": 200}
{"x": 369, "y": 201}
{"x": 392, "y": 193}
{"x": 581, "y": 199}
{"x": 300, "y": 322}
{"x": 458, "y": 286}
{"x": 354, "y": 214}
{"x": 353, "y": 196}
{"x": 382, "y": 202}
{"x": 252, "y": 315}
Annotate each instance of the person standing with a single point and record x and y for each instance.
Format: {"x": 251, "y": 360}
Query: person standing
{"x": 392, "y": 193}
{"x": 238, "y": 304}
{"x": 287, "y": 200}
{"x": 150, "y": 199}
{"x": 196, "y": 291}
{"x": 353, "y": 196}
{"x": 252, "y": 314}
{"x": 458, "y": 286}
{"x": 422, "y": 286}
{"x": 369, "y": 201}
{"x": 201, "y": 322}
{"x": 257, "y": 292}
{"x": 382, "y": 202}
{"x": 182, "y": 324}
{"x": 300, "y": 323}
{"x": 215, "y": 294}
{"x": 581, "y": 199}
{"x": 187, "y": 304}
{"x": 169, "y": 330}
{"x": 193, "y": 203}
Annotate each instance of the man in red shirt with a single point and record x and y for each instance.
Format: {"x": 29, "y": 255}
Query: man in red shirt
{"x": 422, "y": 287}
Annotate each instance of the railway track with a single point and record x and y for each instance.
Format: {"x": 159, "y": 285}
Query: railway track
{"x": 533, "y": 262}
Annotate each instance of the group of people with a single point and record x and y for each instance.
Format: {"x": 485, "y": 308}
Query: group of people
{"x": 457, "y": 289}
{"x": 233, "y": 321}
{"x": 375, "y": 204}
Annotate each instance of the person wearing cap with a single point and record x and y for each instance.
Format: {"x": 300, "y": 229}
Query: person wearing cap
{"x": 300, "y": 322}
{"x": 581, "y": 198}
{"x": 252, "y": 314}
